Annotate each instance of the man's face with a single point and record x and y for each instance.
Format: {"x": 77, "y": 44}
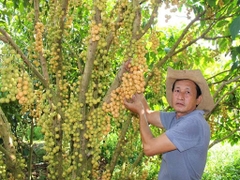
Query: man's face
{"x": 184, "y": 98}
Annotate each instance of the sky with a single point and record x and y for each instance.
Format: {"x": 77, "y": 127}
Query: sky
{"x": 177, "y": 18}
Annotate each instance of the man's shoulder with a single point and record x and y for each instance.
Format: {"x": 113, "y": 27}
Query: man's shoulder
{"x": 165, "y": 113}
{"x": 196, "y": 114}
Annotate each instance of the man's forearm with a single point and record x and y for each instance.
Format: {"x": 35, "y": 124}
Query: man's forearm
{"x": 146, "y": 134}
{"x": 145, "y": 104}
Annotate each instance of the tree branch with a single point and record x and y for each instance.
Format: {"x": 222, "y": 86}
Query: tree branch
{"x": 224, "y": 84}
{"x": 136, "y": 162}
{"x": 4, "y": 151}
{"x": 119, "y": 145}
{"x": 41, "y": 57}
{"x": 221, "y": 98}
{"x": 214, "y": 38}
{"x": 137, "y": 18}
{"x": 136, "y": 34}
{"x": 36, "y": 11}
{"x": 218, "y": 74}
{"x": 25, "y": 59}
{"x": 110, "y": 36}
{"x": 91, "y": 53}
{"x": 194, "y": 41}
{"x": 9, "y": 150}
{"x": 150, "y": 21}
{"x": 115, "y": 83}
{"x": 173, "y": 49}
{"x": 223, "y": 138}
{"x": 3, "y": 39}
{"x": 86, "y": 78}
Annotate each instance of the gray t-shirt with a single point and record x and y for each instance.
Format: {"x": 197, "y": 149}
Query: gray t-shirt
{"x": 191, "y": 135}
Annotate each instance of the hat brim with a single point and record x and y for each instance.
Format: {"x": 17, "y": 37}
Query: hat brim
{"x": 196, "y": 76}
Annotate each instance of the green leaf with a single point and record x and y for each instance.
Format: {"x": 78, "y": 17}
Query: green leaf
{"x": 238, "y": 49}
{"x": 211, "y": 3}
{"x": 222, "y": 44}
{"x": 235, "y": 51}
{"x": 235, "y": 27}
{"x": 222, "y": 23}
{"x": 235, "y": 65}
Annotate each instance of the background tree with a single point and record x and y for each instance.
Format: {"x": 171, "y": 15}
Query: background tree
{"x": 68, "y": 65}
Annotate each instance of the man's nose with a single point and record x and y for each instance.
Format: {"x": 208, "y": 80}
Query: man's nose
{"x": 180, "y": 95}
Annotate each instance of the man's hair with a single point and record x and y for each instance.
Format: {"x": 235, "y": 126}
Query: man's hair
{"x": 199, "y": 92}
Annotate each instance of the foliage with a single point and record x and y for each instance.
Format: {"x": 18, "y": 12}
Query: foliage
{"x": 66, "y": 66}
{"x": 223, "y": 163}
{"x": 37, "y": 134}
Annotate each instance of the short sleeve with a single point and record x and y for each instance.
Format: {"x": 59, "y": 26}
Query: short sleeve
{"x": 184, "y": 135}
{"x": 167, "y": 119}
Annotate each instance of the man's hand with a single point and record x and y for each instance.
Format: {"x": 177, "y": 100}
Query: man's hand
{"x": 135, "y": 104}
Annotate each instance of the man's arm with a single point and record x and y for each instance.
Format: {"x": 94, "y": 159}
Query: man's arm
{"x": 151, "y": 145}
{"x": 153, "y": 117}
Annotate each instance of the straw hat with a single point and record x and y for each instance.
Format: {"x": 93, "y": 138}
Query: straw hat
{"x": 207, "y": 102}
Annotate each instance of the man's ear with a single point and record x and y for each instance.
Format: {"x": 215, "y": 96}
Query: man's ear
{"x": 199, "y": 99}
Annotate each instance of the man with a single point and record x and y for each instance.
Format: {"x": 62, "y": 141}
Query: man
{"x": 185, "y": 142}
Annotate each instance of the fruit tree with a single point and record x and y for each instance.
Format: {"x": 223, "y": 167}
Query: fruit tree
{"x": 67, "y": 65}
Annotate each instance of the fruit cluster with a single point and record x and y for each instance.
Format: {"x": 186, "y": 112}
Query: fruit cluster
{"x": 212, "y": 124}
{"x": 98, "y": 126}
{"x": 156, "y": 82}
{"x": 25, "y": 93}
{"x": 106, "y": 175}
{"x": 39, "y": 28}
{"x": 95, "y": 28}
{"x": 2, "y": 167}
{"x": 155, "y": 42}
{"x": 132, "y": 82}
{"x": 9, "y": 74}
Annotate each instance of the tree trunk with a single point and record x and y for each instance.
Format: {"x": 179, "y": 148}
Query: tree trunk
{"x": 12, "y": 162}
